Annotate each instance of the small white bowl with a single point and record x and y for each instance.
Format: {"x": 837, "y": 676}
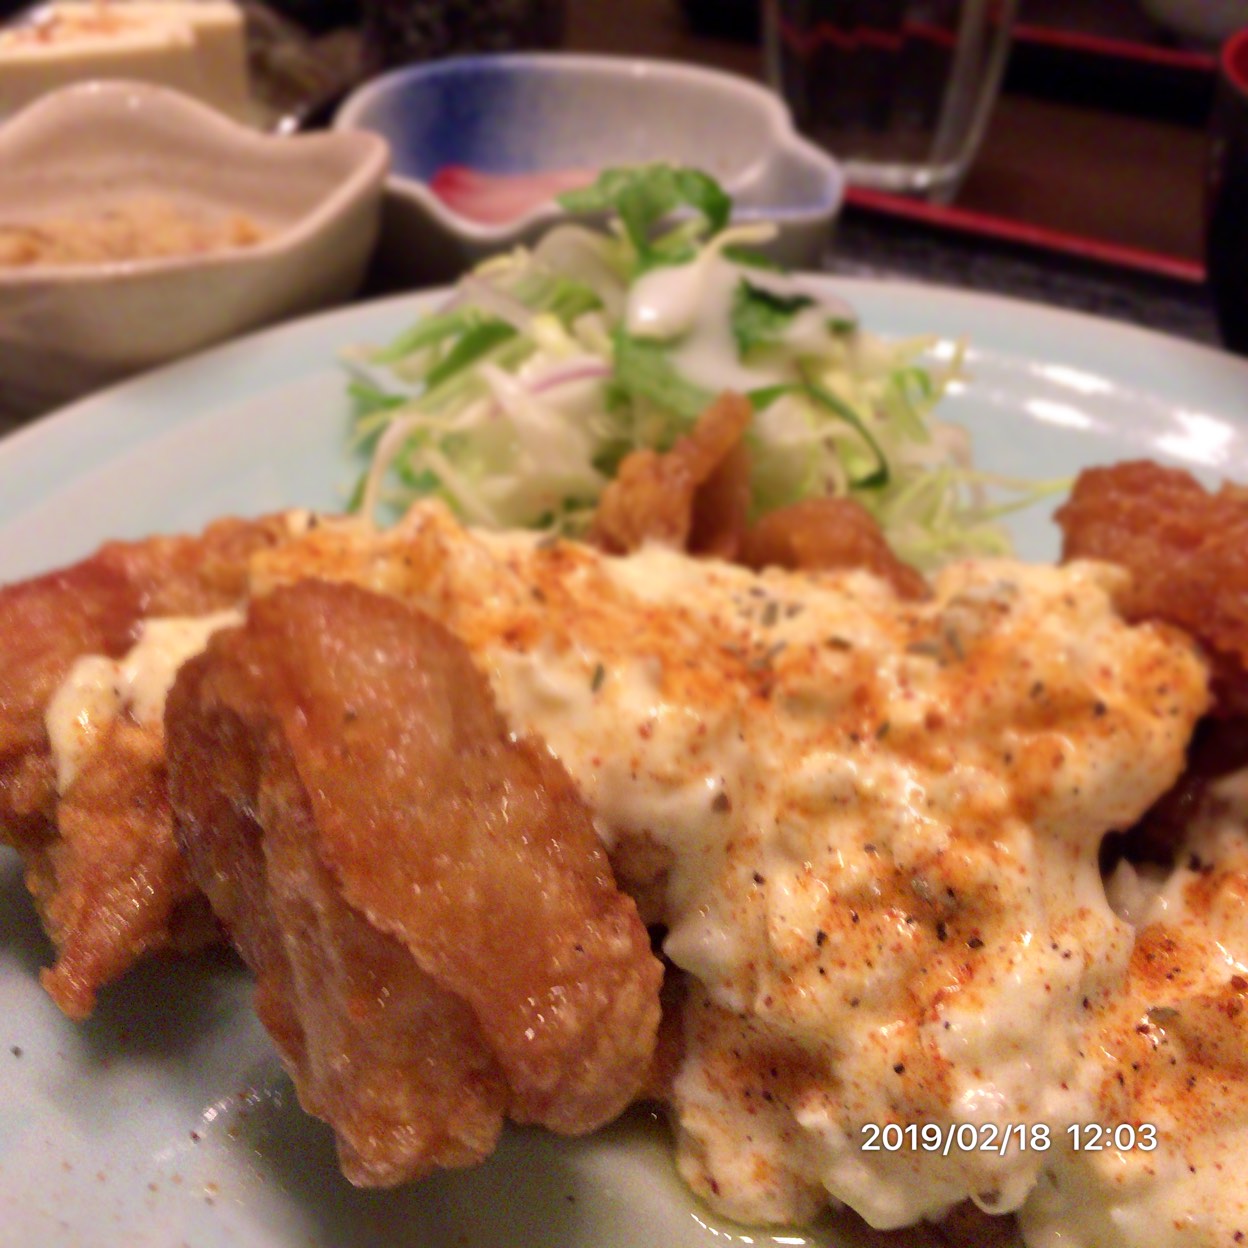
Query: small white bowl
{"x": 68, "y": 329}
{"x": 531, "y": 113}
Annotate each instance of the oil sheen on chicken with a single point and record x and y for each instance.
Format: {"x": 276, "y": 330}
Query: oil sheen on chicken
{"x": 436, "y": 935}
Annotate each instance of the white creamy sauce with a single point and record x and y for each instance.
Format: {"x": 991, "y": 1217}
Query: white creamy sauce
{"x": 689, "y": 305}
{"x": 1178, "y": 1032}
{"x": 1133, "y": 889}
{"x": 97, "y": 690}
{"x": 877, "y": 827}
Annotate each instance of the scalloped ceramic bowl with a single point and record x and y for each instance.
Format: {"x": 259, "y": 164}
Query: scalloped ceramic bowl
{"x": 539, "y": 114}
{"x": 68, "y": 329}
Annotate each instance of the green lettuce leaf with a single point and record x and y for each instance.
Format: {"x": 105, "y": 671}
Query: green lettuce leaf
{"x": 644, "y": 370}
{"x": 644, "y": 195}
{"x": 760, "y": 316}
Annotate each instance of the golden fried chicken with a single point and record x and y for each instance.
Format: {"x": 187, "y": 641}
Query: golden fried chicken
{"x": 1186, "y": 549}
{"x": 436, "y": 933}
{"x": 870, "y": 827}
{"x": 93, "y": 827}
{"x": 694, "y": 497}
{"x": 827, "y": 534}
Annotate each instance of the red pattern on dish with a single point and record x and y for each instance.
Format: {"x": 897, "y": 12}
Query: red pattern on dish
{"x": 496, "y": 198}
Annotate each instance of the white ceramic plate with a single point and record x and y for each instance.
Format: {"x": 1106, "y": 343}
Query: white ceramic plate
{"x": 165, "y": 1119}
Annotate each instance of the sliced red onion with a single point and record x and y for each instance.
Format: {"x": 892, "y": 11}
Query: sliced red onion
{"x": 586, "y": 370}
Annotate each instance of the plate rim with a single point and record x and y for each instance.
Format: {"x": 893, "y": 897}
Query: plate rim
{"x": 56, "y": 435}
{"x": 39, "y": 436}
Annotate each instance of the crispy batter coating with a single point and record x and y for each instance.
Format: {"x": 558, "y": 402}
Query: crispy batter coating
{"x": 100, "y": 859}
{"x": 829, "y": 534}
{"x": 694, "y": 497}
{"x": 1186, "y": 550}
{"x": 435, "y": 929}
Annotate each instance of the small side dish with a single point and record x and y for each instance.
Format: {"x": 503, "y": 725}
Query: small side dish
{"x": 203, "y": 229}
{"x": 534, "y": 116}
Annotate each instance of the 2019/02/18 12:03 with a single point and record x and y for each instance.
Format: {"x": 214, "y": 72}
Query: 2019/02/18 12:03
{"x": 967, "y": 1137}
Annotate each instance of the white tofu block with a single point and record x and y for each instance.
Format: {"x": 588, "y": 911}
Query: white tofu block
{"x": 197, "y": 48}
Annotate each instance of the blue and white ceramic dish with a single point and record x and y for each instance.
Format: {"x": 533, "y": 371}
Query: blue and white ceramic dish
{"x": 533, "y": 113}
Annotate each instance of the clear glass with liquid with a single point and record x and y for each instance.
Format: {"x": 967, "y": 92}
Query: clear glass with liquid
{"x": 900, "y": 91}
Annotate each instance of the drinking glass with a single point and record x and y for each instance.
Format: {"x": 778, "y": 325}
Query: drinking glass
{"x": 900, "y": 91}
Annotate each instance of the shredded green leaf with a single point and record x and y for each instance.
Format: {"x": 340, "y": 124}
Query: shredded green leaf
{"x": 469, "y": 347}
{"x": 516, "y": 402}
{"x": 760, "y": 316}
{"x": 644, "y": 372}
{"x": 642, "y": 196}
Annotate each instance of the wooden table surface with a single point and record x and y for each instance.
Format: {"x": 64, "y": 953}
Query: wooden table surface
{"x": 1110, "y": 175}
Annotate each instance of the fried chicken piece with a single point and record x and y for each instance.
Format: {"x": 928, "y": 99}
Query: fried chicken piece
{"x": 1218, "y": 749}
{"x": 435, "y": 930}
{"x": 694, "y": 497}
{"x": 1186, "y": 550}
{"x": 829, "y": 534}
{"x": 100, "y": 859}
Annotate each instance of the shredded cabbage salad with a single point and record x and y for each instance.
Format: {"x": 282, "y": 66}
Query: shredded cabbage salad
{"x": 517, "y": 398}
